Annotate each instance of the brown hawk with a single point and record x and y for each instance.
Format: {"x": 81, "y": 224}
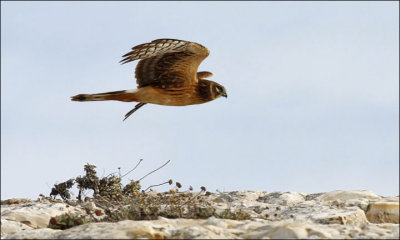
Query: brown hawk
{"x": 166, "y": 75}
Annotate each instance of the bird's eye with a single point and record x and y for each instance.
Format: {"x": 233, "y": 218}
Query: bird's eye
{"x": 219, "y": 89}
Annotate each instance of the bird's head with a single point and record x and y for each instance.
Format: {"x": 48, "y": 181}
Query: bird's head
{"x": 209, "y": 90}
{"x": 220, "y": 90}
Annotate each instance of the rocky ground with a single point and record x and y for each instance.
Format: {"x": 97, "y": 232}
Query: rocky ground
{"x": 336, "y": 214}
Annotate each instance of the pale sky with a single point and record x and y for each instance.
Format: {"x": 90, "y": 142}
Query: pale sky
{"x": 313, "y": 92}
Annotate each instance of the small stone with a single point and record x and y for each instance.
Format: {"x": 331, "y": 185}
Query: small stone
{"x": 98, "y": 212}
{"x": 158, "y": 236}
{"x": 89, "y": 206}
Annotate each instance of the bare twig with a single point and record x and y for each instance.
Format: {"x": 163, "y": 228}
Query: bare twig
{"x": 203, "y": 189}
{"x": 154, "y": 170}
{"x": 156, "y": 185}
{"x": 133, "y": 168}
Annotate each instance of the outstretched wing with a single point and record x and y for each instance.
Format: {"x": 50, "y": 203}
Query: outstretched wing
{"x": 167, "y": 63}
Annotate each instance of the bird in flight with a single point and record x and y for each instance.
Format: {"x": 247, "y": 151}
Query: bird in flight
{"x": 166, "y": 75}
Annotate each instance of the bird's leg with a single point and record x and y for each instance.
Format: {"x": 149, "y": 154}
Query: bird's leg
{"x": 139, "y": 105}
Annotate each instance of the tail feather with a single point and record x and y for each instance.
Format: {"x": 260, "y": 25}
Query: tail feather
{"x": 125, "y": 95}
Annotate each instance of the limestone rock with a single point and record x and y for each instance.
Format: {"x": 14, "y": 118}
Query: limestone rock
{"x": 351, "y": 215}
{"x": 347, "y": 195}
{"x": 212, "y": 228}
{"x": 35, "y": 215}
{"x": 8, "y": 226}
{"x": 42, "y": 233}
{"x": 283, "y": 198}
{"x": 15, "y": 201}
{"x": 383, "y": 212}
{"x": 336, "y": 214}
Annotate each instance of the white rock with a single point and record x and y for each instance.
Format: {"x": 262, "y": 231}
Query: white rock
{"x": 8, "y": 226}
{"x": 35, "y": 215}
{"x": 187, "y": 228}
{"x": 337, "y": 214}
{"x": 281, "y": 231}
{"x": 347, "y": 195}
{"x": 43, "y": 233}
{"x": 283, "y": 198}
{"x": 351, "y": 215}
{"x": 362, "y": 203}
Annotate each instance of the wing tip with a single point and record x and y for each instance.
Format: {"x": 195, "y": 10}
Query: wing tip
{"x": 126, "y": 60}
{"x": 127, "y": 54}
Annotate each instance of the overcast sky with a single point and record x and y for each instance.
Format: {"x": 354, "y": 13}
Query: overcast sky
{"x": 313, "y": 92}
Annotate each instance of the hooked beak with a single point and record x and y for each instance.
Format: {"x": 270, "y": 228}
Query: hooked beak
{"x": 225, "y": 95}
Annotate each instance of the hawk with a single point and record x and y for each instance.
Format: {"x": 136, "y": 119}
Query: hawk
{"x": 166, "y": 75}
